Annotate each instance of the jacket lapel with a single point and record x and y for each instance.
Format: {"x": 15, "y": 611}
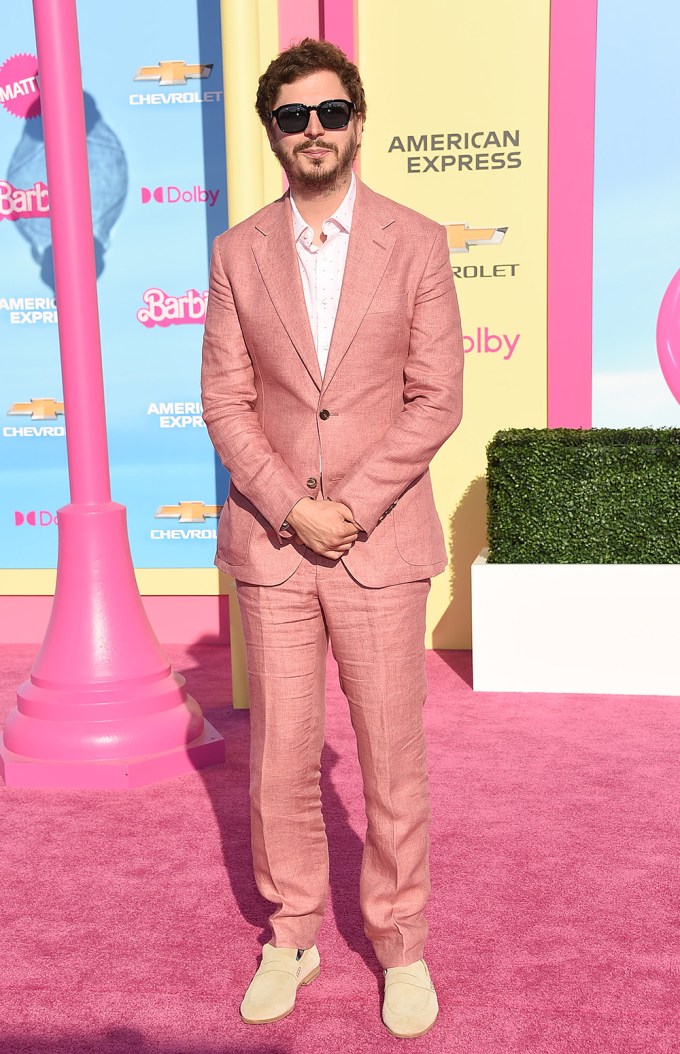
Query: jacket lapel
{"x": 277, "y": 261}
{"x": 368, "y": 253}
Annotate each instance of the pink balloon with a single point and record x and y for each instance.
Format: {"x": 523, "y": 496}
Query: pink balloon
{"x": 668, "y": 335}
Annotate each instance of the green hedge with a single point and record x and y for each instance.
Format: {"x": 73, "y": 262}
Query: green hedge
{"x": 565, "y": 496}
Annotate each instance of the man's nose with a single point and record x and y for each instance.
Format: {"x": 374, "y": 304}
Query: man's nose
{"x": 314, "y": 127}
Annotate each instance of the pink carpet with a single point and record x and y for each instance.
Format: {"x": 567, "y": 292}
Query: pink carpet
{"x": 130, "y": 921}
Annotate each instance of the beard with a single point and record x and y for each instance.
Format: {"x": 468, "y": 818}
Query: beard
{"x": 323, "y": 173}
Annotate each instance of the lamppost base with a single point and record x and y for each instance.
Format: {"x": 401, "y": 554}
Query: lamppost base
{"x": 102, "y": 706}
{"x": 118, "y": 774}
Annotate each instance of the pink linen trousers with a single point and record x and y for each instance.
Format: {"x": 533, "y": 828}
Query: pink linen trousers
{"x": 363, "y": 434}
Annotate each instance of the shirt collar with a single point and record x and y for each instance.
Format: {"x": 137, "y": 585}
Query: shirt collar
{"x": 342, "y": 215}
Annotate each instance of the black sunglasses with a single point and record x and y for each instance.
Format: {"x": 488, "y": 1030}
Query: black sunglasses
{"x": 332, "y": 113}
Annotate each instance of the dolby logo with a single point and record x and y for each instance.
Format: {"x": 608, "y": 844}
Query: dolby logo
{"x": 35, "y": 518}
{"x": 196, "y": 195}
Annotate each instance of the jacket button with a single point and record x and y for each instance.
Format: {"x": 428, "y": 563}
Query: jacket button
{"x": 311, "y": 482}
{"x": 324, "y": 414}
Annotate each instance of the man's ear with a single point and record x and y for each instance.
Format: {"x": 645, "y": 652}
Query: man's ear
{"x": 360, "y": 127}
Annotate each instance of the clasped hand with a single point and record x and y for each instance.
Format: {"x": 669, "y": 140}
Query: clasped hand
{"x": 326, "y": 527}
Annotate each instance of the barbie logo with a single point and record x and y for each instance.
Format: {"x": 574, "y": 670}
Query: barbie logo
{"x": 165, "y": 310}
{"x": 17, "y": 204}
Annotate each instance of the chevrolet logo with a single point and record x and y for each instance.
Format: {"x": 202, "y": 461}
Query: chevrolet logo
{"x": 173, "y": 72}
{"x": 188, "y": 512}
{"x": 461, "y": 237}
{"x": 38, "y": 409}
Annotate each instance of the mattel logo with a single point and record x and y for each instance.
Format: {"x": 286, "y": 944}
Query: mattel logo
{"x": 43, "y": 518}
{"x": 174, "y": 195}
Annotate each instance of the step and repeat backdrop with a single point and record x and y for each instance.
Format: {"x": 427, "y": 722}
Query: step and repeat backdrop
{"x": 458, "y": 100}
{"x": 154, "y": 103}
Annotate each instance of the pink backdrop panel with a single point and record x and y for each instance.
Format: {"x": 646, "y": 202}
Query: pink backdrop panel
{"x": 573, "y": 25}
{"x": 297, "y": 19}
{"x": 338, "y": 21}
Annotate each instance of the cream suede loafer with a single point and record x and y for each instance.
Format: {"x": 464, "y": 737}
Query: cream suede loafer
{"x": 272, "y": 991}
{"x": 410, "y": 1005}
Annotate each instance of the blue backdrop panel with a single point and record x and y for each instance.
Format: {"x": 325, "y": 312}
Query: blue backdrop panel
{"x": 636, "y": 248}
{"x": 155, "y": 121}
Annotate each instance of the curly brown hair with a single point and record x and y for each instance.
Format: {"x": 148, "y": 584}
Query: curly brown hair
{"x": 309, "y": 56}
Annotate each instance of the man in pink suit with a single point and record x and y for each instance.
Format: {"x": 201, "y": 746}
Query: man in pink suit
{"x": 332, "y": 374}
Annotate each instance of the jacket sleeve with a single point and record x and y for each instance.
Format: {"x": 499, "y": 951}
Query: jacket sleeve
{"x": 433, "y": 399}
{"x": 229, "y": 396}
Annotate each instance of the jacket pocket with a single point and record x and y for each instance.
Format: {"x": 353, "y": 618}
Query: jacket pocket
{"x": 235, "y": 528}
{"x": 418, "y": 531}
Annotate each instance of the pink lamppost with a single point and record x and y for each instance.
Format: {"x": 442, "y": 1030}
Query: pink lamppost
{"x": 102, "y": 707}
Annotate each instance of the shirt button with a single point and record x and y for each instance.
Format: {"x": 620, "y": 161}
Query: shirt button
{"x": 324, "y": 414}
{"x": 311, "y": 482}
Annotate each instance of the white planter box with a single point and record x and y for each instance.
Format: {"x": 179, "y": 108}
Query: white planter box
{"x": 600, "y": 628}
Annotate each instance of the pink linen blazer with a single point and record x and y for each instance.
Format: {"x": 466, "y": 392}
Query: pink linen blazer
{"x": 364, "y": 433}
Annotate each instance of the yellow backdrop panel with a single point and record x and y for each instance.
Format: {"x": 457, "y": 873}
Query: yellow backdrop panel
{"x": 457, "y": 98}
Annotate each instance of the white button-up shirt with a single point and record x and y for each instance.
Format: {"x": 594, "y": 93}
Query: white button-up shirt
{"x": 322, "y": 268}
